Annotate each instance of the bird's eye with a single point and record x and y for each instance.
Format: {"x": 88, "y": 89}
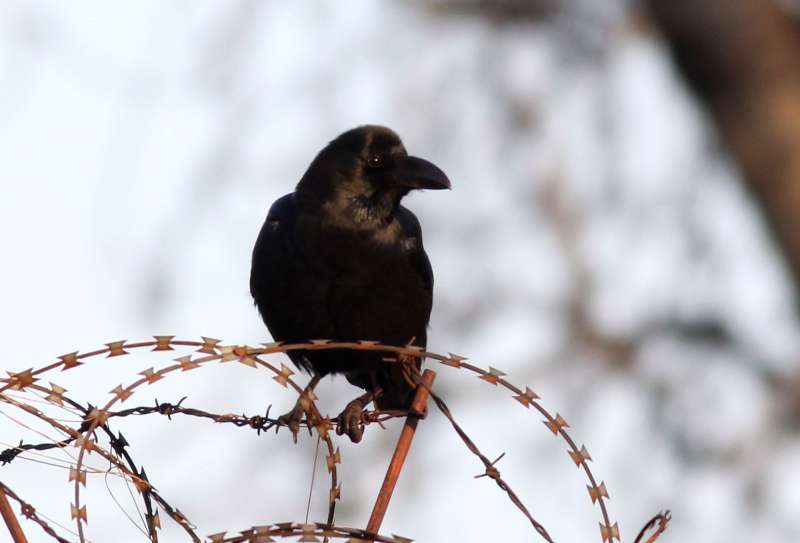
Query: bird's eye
{"x": 375, "y": 161}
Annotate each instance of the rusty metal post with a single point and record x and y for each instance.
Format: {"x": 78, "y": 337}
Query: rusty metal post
{"x": 400, "y": 452}
{"x": 11, "y": 520}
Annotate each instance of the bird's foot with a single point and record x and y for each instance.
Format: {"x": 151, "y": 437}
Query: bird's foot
{"x": 293, "y": 418}
{"x": 303, "y": 407}
{"x": 351, "y": 420}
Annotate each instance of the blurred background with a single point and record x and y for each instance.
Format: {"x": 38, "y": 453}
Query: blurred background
{"x": 623, "y": 236}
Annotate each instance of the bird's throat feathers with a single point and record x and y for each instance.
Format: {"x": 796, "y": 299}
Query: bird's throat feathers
{"x": 351, "y": 203}
{"x": 372, "y": 210}
{"x": 372, "y": 214}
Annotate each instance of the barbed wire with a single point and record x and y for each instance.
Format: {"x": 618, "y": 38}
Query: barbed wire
{"x": 118, "y": 443}
{"x": 29, "y": 512}
{"x": 656, "y": 525}
{"x": 211, "y": 350}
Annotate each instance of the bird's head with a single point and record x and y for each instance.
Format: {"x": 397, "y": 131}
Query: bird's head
{"x": 360, "y": 177}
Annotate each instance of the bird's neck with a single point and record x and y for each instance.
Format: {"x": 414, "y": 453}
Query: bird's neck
{"x": 357, "y": 211}
{"x": 374, "y": 211}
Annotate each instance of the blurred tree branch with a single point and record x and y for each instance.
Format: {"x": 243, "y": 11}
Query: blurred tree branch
{"x": 742, "y": 59}
{"x": 499, "y": 10}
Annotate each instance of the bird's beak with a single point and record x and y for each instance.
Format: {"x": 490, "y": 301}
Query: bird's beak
{"x": 417, "y": 173}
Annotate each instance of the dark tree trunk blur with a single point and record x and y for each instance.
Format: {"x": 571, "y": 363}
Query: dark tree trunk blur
{"x": 742, "y": 59}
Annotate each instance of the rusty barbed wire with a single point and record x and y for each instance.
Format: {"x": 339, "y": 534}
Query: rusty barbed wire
{"x": 262, "y": 423}
{"x": 259, "y": 423}
{"x": 137, "y": 477}
{"x": 29, "y": 512}
{"x": 118, "y": 444}
{"x": 99, "y": 416}
{"x": 491, "y": 470}
{"x": 211, "y": 350}
{"x": 658, "y": 524}
{"x": 310, "y": 531}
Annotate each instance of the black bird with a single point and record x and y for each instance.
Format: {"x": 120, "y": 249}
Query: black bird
{"x": 341, "y": 259}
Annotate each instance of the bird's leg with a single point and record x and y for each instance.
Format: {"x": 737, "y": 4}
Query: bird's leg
{"x": 351, "y": 421}
{"x": 293, "y": 418}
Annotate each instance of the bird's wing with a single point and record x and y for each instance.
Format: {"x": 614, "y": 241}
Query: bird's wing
{"x": 271, "y": 244}
{"x": 416, "y": 253}
{"x": 287, "y": 289}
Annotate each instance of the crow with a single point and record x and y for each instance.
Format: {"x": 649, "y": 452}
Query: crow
{"x": 339, "y": 258}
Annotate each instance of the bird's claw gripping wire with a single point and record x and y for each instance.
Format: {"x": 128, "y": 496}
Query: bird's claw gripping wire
{"x": 351, "y": 420}
{"x": 301, "y": 409}
{"x": 292, "y": 420}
